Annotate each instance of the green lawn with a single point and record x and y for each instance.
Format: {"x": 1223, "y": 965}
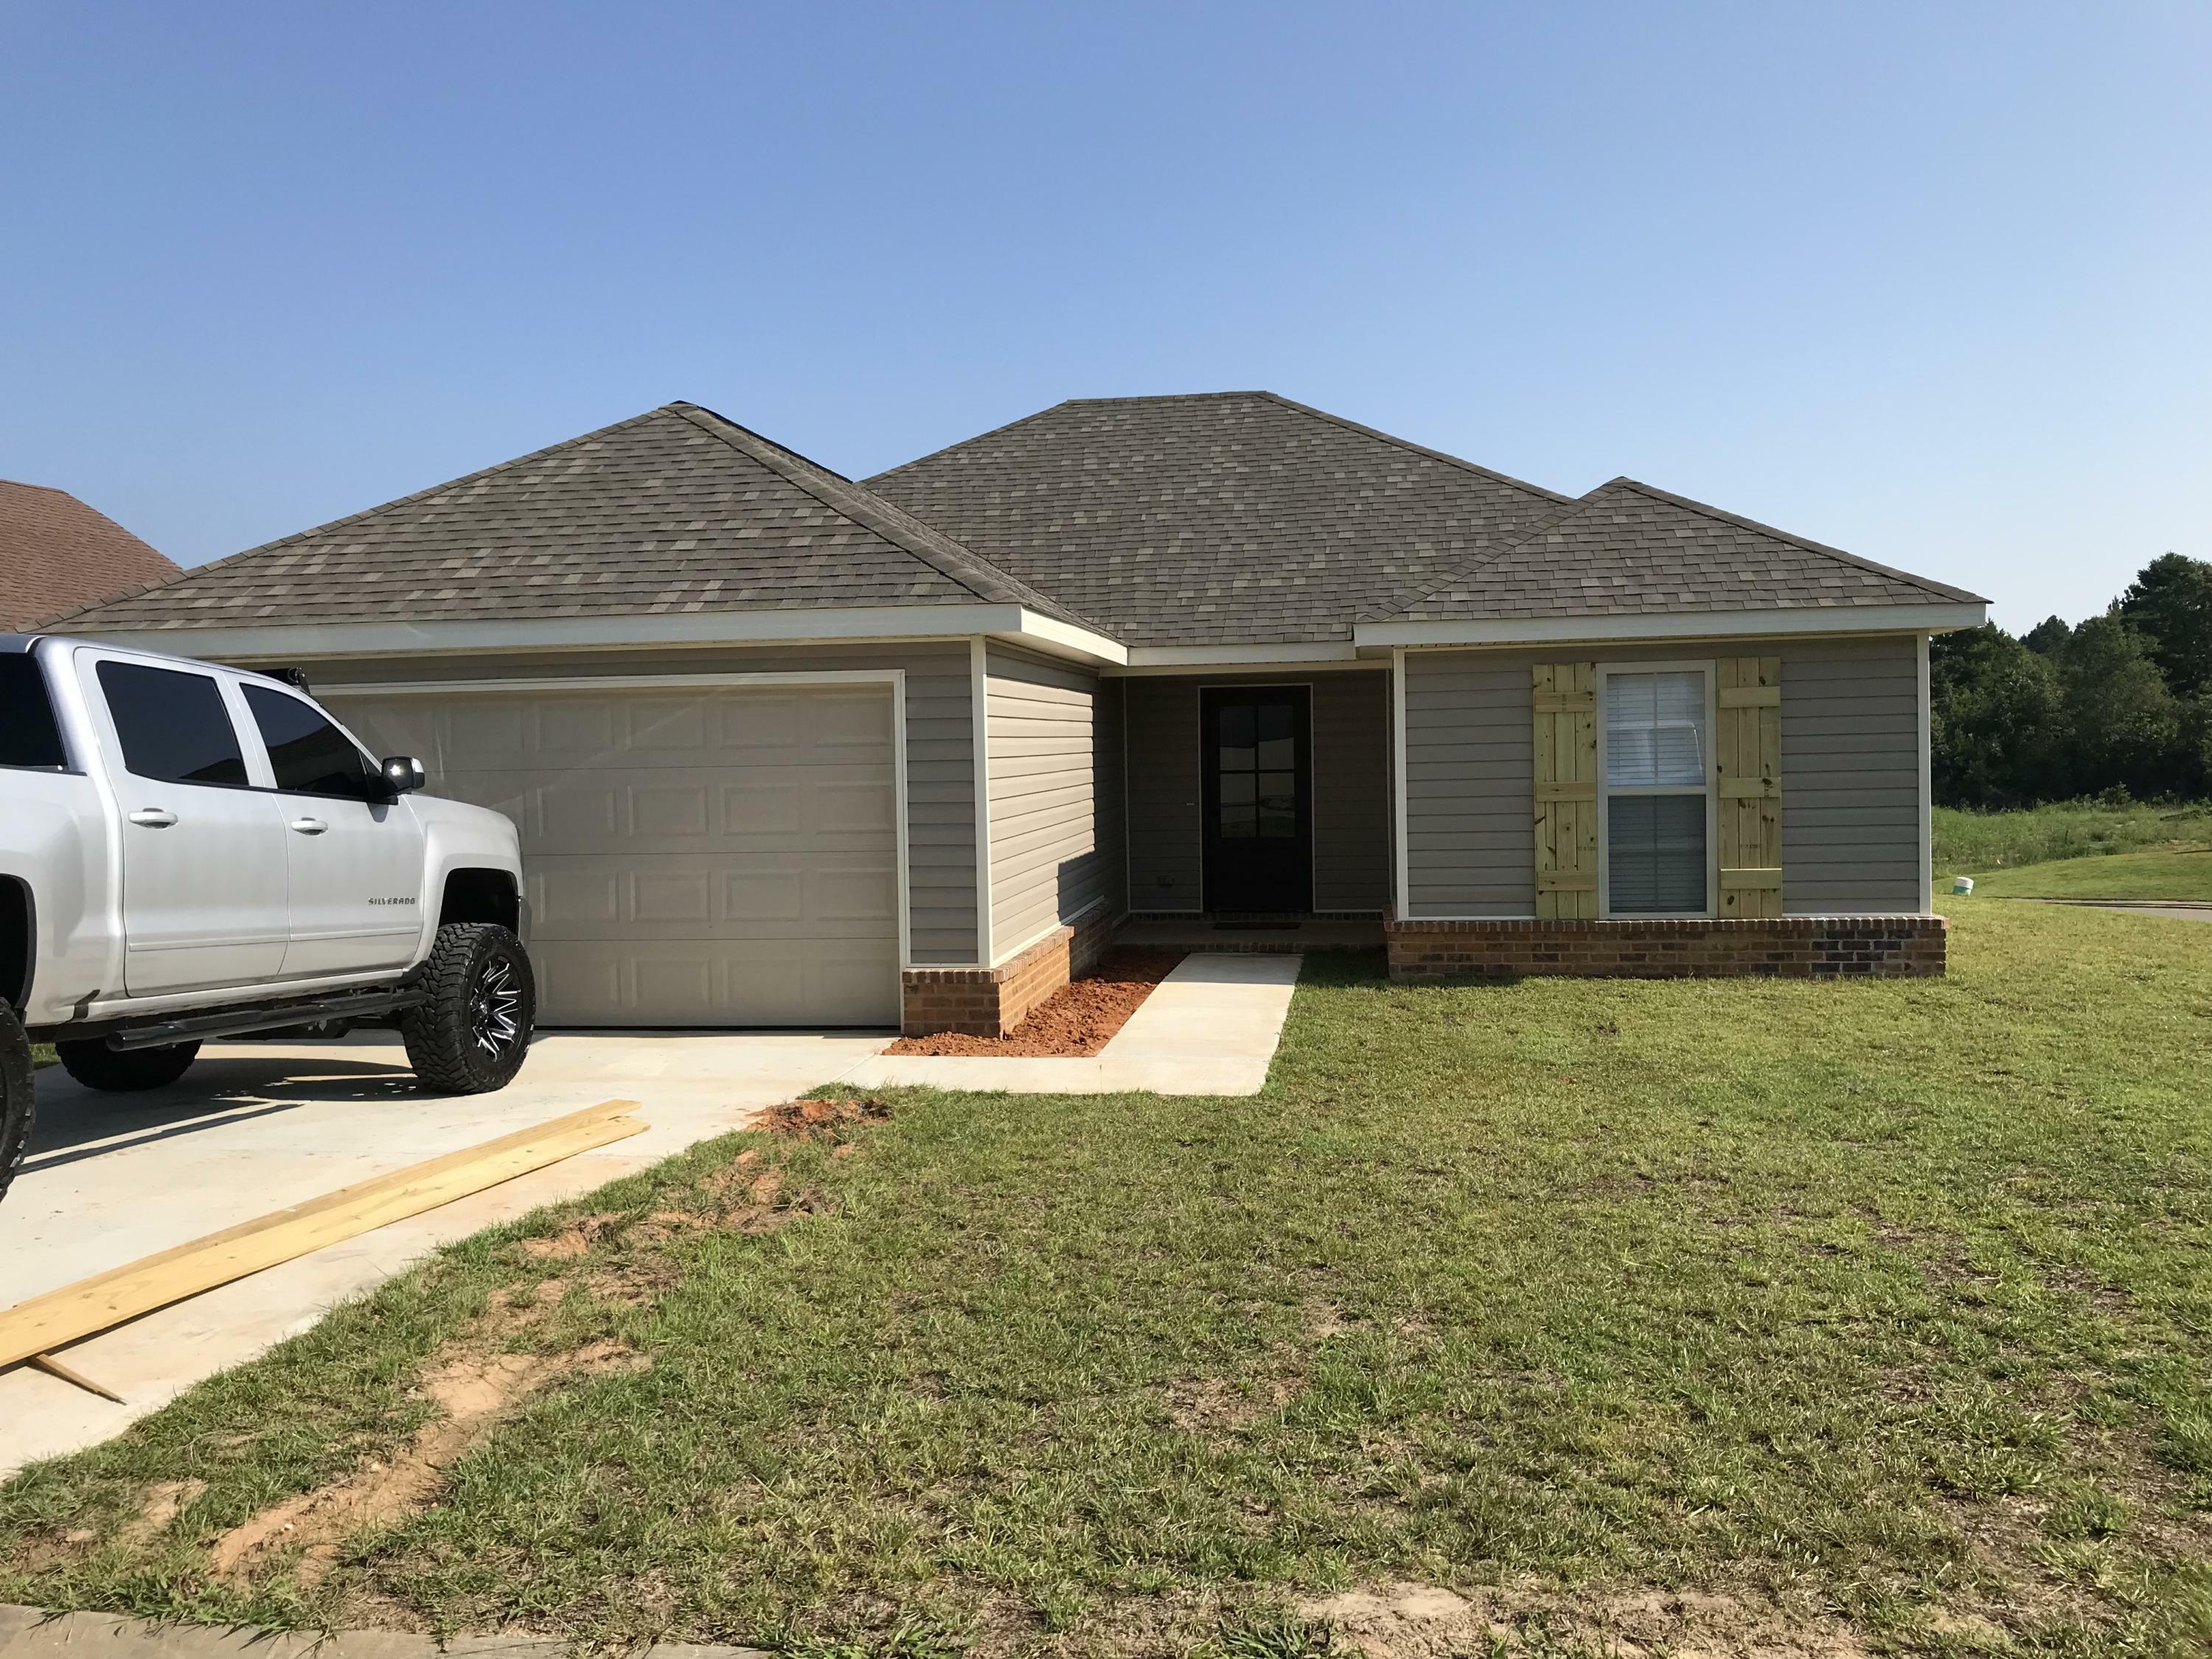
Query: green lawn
{"x": 1883, "y": 1304}
{"x": 2159, "y": 875}
{"x": 1969, "y": 843}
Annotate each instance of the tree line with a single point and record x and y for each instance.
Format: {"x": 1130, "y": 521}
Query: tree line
{"x": 2121, "y": 704}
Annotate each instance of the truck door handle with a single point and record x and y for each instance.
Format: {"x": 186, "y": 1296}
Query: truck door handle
{"x": 309, "y": 826}
{"x": 153, "y": 818}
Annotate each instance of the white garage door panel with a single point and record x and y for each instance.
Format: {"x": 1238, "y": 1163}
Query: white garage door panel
{"x": 709, "y": 857}
{"x": 700, "y": 896}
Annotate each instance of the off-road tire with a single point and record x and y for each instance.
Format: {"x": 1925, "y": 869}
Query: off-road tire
{"x": 15, "y": 1096}
{"x": 470, "y": 1037}
{"x": 125, "y": 1071}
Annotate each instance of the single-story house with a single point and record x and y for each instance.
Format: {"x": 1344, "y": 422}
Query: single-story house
{"x": 787, "y": 749}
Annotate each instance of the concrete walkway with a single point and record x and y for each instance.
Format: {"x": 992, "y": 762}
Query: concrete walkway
{"x": 255, "y": 1127}
{"x": 1211, "y": 1028}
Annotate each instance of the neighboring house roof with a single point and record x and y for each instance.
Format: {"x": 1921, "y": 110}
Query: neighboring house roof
{"x": 675, "y": 510}
{"x": 1233, "y": 517}
{"x": 1626, "y": 549}
{"x": 57, "y": 553}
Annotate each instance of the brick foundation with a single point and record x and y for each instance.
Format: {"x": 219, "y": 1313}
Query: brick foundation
{"x": 1785, "y": 947}
{"x": 991, "y": 1001}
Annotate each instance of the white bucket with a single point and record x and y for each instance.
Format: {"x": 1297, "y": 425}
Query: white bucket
{"x": 1962, "y": 884}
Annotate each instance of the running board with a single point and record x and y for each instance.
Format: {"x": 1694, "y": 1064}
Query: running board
{"x": 237, "y": 1021}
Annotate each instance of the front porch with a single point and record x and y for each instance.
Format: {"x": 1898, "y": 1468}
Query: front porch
{"x": 1289, "y": 936}
{"x": 1257, "y": 795}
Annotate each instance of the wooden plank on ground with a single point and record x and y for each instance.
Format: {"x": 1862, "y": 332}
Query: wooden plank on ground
{"x": 91, "y": 1305}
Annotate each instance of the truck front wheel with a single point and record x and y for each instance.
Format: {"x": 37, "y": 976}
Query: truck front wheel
{"x": 15, "y": 1095}
{"x": 125, "y": 1071}
{"x": 470, "y": 1035}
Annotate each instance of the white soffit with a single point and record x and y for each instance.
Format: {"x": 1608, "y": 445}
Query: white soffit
{"x": 1780, "y": 622}
{"x": 435, "y": 636}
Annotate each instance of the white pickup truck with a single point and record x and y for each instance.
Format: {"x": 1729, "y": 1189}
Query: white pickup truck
{"x": 190, "y": 851}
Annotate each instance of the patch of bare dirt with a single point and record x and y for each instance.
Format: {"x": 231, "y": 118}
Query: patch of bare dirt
{"x": 1214, "y": 1405}
{"x": 474, "y": 1395}
{"x": 1074, "y": 1021}
{"x": 573, "y": 1240}
{"x": 161, "y": 1505}
{"x": 1416, "y": 1621}
{"x": 823, "y": 1118}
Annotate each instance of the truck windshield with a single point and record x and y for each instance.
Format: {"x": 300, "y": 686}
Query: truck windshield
{"x": 29, "y": 734}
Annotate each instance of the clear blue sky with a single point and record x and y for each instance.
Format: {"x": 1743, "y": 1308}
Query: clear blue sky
{"x": 1933, "y": 282}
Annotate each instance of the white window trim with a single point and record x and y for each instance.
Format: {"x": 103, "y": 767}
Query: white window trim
{"x": 979, "y": 718}
{"x": 1606, "y": 671}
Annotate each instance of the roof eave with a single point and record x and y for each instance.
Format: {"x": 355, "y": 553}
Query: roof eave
{"x": 834, "y": 625}
{"x": 1779, "y": 622}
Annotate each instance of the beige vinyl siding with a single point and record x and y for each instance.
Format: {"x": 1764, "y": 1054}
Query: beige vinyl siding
{"x": 940, "y": 787}
{"x": 1851, "y": 777}
{"x": 1351, "y": 758}
{"x": 1470, "y": 784}
{"x": 1042, "y": 727}
{"x": 1851, "y": 788}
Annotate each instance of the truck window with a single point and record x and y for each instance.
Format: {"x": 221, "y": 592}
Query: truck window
{"x": 29, "y": 735}
{"x": 307, "y": 753}
{"x": 173, "y": 726}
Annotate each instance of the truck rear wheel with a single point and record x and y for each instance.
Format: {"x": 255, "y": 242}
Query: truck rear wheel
{"x": 15, "y": 1096}
{"x": 125, "y": 1070}
{"x": 470, "y": 1037}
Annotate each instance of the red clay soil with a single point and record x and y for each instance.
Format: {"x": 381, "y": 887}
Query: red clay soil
{"x": 1075, "y": 1021}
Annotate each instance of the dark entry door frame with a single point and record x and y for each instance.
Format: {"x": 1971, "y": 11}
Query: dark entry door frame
{"x": 1255, "y": 760}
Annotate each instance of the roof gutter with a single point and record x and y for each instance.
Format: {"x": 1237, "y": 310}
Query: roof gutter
{"x": 285, "y": 641}
{"x": 1780, "y": 622}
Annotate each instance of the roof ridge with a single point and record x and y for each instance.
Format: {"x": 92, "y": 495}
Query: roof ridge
{"x": 1165, "y": 397}
{"x": 183, "y": 573}
{"x": 963, "y": 443}
{"x": 949, "y": 558}
{"x": 1407, "y": 444}
{"x": 1806, "y": 542}
{"x": 1277, "y": 397}
{"x": 1580, "y": 504}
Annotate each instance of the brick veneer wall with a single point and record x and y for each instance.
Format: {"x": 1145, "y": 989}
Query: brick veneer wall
{"x": 1787, "y": 947}
{"x": 991, "y": 1001}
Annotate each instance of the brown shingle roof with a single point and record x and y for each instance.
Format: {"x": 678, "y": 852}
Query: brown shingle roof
{"x": 1222, "y": 517}
{"x": 674, "y": 510}
{"x": 1627, "y": 548}
{"x": 57, "y": 553}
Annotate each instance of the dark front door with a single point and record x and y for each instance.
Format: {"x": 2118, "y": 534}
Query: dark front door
{"x": 1259, "y": 800}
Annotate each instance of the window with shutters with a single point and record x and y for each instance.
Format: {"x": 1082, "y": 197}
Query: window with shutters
{"x": 1655, "y": 777}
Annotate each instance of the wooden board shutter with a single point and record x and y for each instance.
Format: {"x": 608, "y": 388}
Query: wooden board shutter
{"x": 1748, "y": 750}
{"x": 1565, "y": 699}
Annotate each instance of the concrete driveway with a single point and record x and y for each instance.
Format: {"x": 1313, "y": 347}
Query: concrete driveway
{"x": 255, "y": 1127}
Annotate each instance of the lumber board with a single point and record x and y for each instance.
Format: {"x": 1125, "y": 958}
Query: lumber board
{"x": 91, "y": 1305}
{"x": 53, "y": 1367}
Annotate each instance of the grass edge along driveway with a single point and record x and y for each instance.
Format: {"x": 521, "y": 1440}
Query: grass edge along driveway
{"x": 1876, "y": 1310}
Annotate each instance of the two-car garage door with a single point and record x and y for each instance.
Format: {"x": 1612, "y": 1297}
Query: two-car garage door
{"x": 703, "y": 855}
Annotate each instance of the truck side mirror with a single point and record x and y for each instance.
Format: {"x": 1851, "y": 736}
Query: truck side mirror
{"x": 403, "y": 775}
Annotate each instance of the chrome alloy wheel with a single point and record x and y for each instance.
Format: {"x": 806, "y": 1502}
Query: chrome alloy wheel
{"x": 494, "y": 1009}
